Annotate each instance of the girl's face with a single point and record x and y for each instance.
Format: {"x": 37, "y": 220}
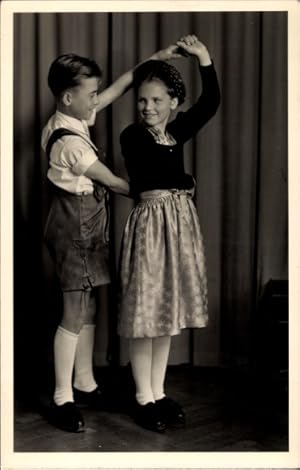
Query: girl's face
{"x": 154, "y": 104}
{"x": 83, "y": 98}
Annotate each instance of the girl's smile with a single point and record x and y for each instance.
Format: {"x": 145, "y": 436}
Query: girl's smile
{"x": 155, "y": 104}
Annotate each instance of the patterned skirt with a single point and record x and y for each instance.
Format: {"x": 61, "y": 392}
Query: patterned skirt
{"x": 162, "y": 267}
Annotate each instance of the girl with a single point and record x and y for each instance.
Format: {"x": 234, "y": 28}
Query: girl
{"x": 162, "y": 269}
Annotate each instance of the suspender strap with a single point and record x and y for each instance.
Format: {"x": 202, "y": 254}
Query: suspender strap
{"x": 57, "y": 134}
{"x": 99, "y": 190}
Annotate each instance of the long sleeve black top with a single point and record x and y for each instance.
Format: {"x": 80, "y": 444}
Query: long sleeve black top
{"x": 155, "y": 166}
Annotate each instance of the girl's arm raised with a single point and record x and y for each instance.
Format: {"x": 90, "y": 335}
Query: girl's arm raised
{"x": 124, "y": 82}
{"x": 188, "y": 123}
{"x": 192, "y": 46}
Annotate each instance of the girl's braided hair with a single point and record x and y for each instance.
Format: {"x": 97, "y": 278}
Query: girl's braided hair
{"x": 161, "y": 71}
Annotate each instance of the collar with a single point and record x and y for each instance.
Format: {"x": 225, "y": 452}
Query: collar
{"x": 160, "y": 137}
{"x": 80, "y": 126}
{"x": 73, "y": 123}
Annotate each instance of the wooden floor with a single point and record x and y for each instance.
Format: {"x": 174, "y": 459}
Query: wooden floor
{"x": 225, "y": 412}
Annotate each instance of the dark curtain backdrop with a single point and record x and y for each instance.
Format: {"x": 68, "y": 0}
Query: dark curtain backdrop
{"x": 239, "y": 161}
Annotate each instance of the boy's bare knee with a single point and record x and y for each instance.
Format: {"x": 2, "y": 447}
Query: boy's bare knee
{"x": 75, "y": 311}
{"x": 72, "y": 324}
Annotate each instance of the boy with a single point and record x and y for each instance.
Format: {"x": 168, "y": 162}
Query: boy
{"x": 76, "y": 230}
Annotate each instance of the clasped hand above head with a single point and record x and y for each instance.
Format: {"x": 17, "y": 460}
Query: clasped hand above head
{"x": 188, "y": 45}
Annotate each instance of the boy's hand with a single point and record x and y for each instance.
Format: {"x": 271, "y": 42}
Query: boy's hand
{"x": 192, "y": 46}
{"x": 168, "y": 53}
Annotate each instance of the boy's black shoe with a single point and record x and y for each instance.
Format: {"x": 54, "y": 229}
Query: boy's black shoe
{"x": 93, "y": 400}
{"x": 66, "y": 417}
{"x": 171, "y": 412}
{"x": 148, "y": 417}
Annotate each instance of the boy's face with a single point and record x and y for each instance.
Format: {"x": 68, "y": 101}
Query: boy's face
{"x": 84, "y": 98}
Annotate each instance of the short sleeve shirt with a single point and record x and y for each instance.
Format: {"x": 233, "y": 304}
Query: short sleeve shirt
{"x": 70, "y": 156}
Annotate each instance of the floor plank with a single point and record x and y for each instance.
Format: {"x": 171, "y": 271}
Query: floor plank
{"x": 222, "y": 415}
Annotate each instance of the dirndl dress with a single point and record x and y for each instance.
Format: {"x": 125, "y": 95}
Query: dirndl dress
{"x": 163, "y": 285}
{"x": 77, "y": 236}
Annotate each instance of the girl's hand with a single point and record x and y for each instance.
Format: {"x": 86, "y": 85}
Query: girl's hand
{"x": 170, "y": 52}
{"x": 192, "y": 46}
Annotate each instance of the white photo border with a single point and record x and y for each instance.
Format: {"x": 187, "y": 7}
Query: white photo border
{"x": 145, "y": 460}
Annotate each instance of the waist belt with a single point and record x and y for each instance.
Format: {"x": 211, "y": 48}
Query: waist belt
{"x": 157, "y": 193}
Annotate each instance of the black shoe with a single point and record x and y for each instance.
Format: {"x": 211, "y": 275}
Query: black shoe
{"x": 148, "y": 417}
{"x": 93, "y": 400}
{"x": 66, "y": 417}
{"x": 171, "y": 412}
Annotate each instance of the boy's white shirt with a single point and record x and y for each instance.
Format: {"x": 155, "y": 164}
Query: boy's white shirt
{"x": 72, "y": 155}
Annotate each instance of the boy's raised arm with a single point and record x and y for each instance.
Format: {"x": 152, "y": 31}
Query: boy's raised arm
{"x": 124, "y": 82}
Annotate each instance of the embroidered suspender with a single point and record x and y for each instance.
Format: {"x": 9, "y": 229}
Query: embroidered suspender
{"x": 57, "y": 134}
{"x": 99, "y": 190}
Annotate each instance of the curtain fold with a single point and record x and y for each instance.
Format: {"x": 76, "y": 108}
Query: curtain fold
{"x": 239, "y": 160}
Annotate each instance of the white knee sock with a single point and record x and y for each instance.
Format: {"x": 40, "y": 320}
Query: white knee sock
{"x": 140, "y": 351}
{"x": 84, "y": 377}
{"x": 64, "y": 354}
{"x": 160, "y": 355}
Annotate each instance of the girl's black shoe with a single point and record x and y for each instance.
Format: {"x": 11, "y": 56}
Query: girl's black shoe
{"x": 171, "y": 412}
{"x": 66, "y": 417}
{"x": 148, "y": 417}
{"x": 93, "y": 400}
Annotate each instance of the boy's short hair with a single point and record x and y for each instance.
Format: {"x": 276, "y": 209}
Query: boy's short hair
{"x": 163, "y": 72}
{"x": 67, "y": 70}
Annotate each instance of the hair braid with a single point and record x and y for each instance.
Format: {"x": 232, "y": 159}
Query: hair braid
{"x": 164, "y": 72}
